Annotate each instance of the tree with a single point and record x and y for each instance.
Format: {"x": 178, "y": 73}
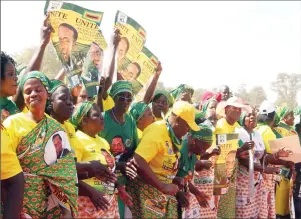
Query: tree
{"x": 51, "y": 64}
{"x": 287, "y": 87}
{"x": 198, "y": 94}
{"x": 242, "y": 93}
{"x": 257, "y": 95}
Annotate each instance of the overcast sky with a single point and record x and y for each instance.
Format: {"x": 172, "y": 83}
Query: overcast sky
{"x": 206, "y": 44}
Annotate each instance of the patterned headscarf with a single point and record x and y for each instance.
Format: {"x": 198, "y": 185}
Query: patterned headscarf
{"x": 297, "y": 111}
{"x": 121, "y": 86}
{"x": 205, "y": 105}
{"x": 80, "y": 112}
{"x": 166, "y": 94}
{"x": 138, "y": 110}
{"x": 183, "y": 88}
{"x": 281, "y": 113}
{"x": 35, "y": 74}
{"x": 55, "y": 84}
{"x": 205, "y": 134}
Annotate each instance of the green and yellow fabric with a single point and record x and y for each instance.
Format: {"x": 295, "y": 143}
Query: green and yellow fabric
{"x": 183, "y": 88}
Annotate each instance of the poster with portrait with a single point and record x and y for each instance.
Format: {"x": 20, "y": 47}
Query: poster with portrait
{"x": 57, "y": 147}
{"x": 225, "y": 162}
{"x": 140, "y": 70}
{"x": 133, "y": 37}
{"x": 76, "y": 32}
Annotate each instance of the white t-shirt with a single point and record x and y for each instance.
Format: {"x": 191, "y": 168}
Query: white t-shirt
{"x": 259, "y": 147}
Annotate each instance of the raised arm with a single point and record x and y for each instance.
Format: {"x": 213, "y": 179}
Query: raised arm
{"x": 61, "y": 75}
{"x": 109, "y": 79}
{"x": 36, "y": 60}
{"x": 152, "y": 86}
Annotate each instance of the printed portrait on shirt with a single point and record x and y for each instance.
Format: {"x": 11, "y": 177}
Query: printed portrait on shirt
{"x": 56, "y": 147}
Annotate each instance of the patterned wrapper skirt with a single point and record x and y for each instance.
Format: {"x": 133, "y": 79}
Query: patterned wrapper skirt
{"x": 149, "y": 202}
{"x": 86, "y": 208}
{"x": 267, "y": 207}
{"x": 203, "y": 180}
{"x": 246, "y": 206}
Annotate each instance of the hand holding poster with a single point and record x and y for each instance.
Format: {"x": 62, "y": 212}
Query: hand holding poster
{"x": 133, "y": 38}
{"x": 291, "y": 143}
{"x": 225, "y": 161}
{"x": 76, "y": 32}
{"x": 146, "y": 63}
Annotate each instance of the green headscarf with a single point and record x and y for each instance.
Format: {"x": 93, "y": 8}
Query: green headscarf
{"x": 35, "y": 74}
{"x": 55, "y": 84}
{"x": 297, "y": 111}
{"x": 137, "y": 110}
{"x": 199, "y": 115}
{"x": 205, "y": 134}
{"x": 205, "y": 105}
{"x": 80, "y": 112}
{"x": 241, "y": 120}
{"x": 121, "y": 86}
{"x": 183, "y": 88}
{"x": 166, "y": 94}
{"x": 281, "y": 113}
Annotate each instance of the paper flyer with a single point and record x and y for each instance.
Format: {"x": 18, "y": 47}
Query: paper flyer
{"x": 76, "y": 34}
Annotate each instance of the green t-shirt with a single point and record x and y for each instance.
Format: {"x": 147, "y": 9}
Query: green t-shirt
{"x": 123, "y": 139}
{"x": 186, "y": 165}
{"x": 7, "y": 108}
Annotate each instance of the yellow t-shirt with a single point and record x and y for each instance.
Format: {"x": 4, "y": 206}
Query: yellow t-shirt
{"x": 157, "y": 150}
{"x": 223, "y": 127}
{"x": 75, "y": 144}
{"x": 108, "y": 103}
{"x": 267, "y": 135}
{"x": 140, "y": 133}
{"x": 18, "y": 126}
{"x": 97, "y": 149}
{"x": 10, "y": 165}
{"x": 25, "y": 109}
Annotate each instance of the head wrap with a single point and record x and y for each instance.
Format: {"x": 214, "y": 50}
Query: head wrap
{"x": 166, "y": 94}
{"x": 297, "y": 111}
{"x": 204, "y": 134}
{"x": 241, "y": 120}
{"x": 80, "y": 112}
{"x": 121, "y": 86}
{"x": 206, "y": 96}
{"x": 281, "y": 113}
{"x": 35, "y": 74}
{"x": 138, "y": 110}
{"x": 55, "y": 84}
{"x": 205, "y": 105}
{"x": 183, "y": 88}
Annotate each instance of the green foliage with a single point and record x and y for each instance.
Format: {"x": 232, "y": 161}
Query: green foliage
{"x": 287, "y": 87}
{"x": 50, "y": 65}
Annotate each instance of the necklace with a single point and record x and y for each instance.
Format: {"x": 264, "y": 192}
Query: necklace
{"x": 115, "y": 117}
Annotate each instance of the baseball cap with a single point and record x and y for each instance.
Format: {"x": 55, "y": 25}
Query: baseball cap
{"x": 235, "y": 101}
{"x": 186, "y": 111}
{"x": 266, "y": 107}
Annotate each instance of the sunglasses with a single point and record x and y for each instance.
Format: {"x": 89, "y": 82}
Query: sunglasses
{"x": 122, "y": 99}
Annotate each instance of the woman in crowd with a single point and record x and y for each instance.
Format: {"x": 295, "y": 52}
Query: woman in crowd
{"x": 143, "y": 116}
{"x": 97, "y": 195}
{"x": 197, "y": 199}
{"x": 161, "y": 103}
{"x": 157, "y": 160}
{"x": 266, "y": 121}
{"x": 120, "y": 130}
{"x": 248, "y": 197}
{"x": 183, "y": 92}
{"x": 284, "y": 123}
{"x": 8, "y": 86}
{"x": 43, "y": 152}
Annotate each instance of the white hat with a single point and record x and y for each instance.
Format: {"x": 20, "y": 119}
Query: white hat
{"x": 266, "y": 107}
{"x": 235, "y": 101}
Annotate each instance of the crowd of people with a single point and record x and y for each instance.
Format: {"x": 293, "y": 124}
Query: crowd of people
{"x": 67, "y": 155}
